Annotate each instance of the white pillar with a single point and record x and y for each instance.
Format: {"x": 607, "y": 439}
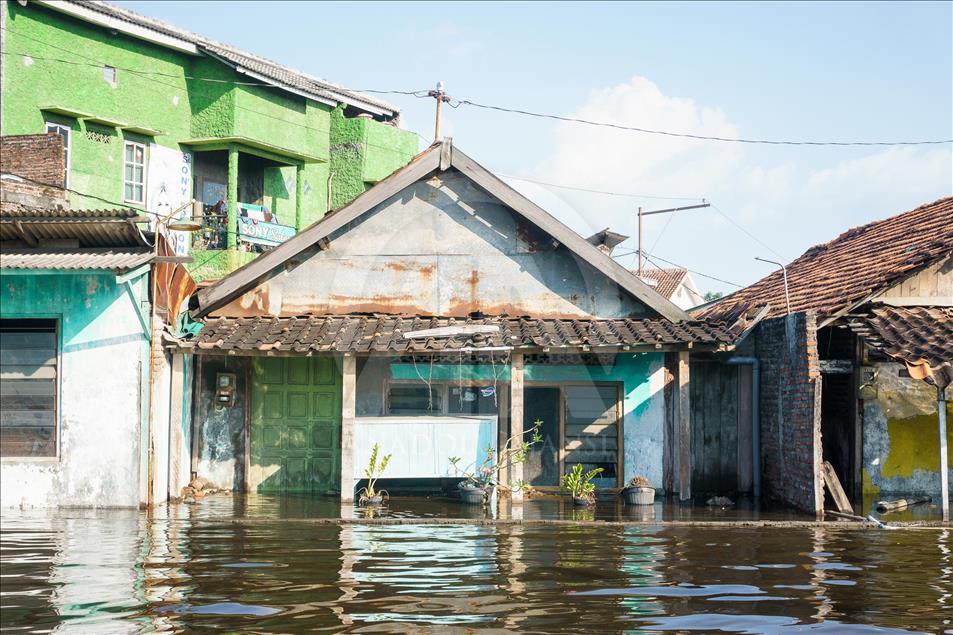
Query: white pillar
{"x": 348, "y": 410}
{"x": 944, "y": 467}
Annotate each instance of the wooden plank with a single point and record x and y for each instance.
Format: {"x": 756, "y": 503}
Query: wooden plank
{"x": 669, "y": 436}
{"x": 684, "y": 428}
{"x": 348, "y": 413}
{"x": 835, "y": 489}
{"x": 729, "y": 427}
{"x": 516, "y": 417}
{"x": 837, "y": 366}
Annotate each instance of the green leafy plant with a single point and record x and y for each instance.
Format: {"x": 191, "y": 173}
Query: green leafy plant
{"x": 486, "y": 475}
{"x": 580, "y": 484}
{"x": 372, "y": 473}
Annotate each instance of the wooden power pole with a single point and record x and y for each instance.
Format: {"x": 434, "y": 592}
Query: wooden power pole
{"x": 441, "y": 97}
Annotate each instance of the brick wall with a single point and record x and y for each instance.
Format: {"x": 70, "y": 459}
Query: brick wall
{"x": 791, "y": 410}
{"x": 38, "y": 157}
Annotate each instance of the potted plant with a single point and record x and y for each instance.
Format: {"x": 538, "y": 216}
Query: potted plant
{"x": 638, "y": 492}
{"x": 580, "y": 485}
{"x": 480, "y": 483}
{"x": 369, "y": 495}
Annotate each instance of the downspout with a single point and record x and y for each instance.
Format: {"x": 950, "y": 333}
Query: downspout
{"x": 755, "y": 419}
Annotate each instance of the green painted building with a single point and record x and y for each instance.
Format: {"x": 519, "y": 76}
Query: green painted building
{"x": 153, "y": 117}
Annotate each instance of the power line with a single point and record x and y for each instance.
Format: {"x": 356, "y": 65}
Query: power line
{"x": 684, "y": 135}
{"x": 605, "y": 192}
{"x": 749, "y": 234}
{"x": 650, "y": 257}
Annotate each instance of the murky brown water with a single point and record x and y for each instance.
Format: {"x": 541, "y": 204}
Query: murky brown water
{"x": 197, "y": 569}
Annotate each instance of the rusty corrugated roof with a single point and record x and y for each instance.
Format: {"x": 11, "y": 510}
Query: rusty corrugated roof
{"x": 385, "y": 334}
{"x": 859, "y": 262}
{"x": 916, "y": 336}
{"x": 66, "y": 259}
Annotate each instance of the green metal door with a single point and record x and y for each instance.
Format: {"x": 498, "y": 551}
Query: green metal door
{"x": 295, "y": 425}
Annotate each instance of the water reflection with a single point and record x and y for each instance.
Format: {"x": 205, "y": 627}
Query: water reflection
{"x": 231, "y": 567}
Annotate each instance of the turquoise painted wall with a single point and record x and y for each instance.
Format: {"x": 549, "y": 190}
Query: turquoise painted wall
{"x": 100, "y": 414}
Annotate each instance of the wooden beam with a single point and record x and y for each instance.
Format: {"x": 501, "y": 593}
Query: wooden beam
{"x": 836, "y": 491}
{"x": 348, "y": 411}
{"x": 684, "y": 428}
{"x": 516, "y": 418}
{"x": 837, "y": 366}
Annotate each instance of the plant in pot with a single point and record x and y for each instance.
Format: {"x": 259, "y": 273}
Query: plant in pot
{"x": 481, "y": 481}
{"x": 579, "y": 484}
{"x": 369, "y": 496}
{"x": 638, "y": 492}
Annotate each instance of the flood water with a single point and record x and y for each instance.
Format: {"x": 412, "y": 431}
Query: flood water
{"x": 262, "y": 566}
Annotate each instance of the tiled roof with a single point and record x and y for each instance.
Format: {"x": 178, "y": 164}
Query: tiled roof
{"x": 363, "y": 334}
{"x": 319, "y": 88}
{"x": 666, "y": 280}
{"x": 915, "y": 335}
{"x": 859, "y": 262}
{"x": 65, "y": 259}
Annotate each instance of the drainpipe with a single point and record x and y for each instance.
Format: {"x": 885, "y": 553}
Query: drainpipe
{"x": 944, "y": 468}
{"x": 755, "y": 419}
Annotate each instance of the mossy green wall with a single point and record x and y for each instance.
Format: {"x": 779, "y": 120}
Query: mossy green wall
{"x": 169, "y": 98}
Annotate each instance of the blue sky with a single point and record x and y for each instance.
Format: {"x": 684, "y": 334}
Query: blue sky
{"x": 804, "y": 71}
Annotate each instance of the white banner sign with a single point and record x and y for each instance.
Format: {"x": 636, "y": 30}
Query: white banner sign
{"x": 169, "y": 186}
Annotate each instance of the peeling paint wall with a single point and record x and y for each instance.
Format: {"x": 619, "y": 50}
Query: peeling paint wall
{"x": 440, "y": 247}
{"x": 99, "y": 413}
{"x": 901, "y": 444}
{"x": 220, "y": 447}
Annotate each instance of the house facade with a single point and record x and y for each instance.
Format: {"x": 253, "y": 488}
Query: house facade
{"x": 153, "y": 117}
{"x": 88, "y": 415}
{"x": 438, "y": 314}
{"x": 850, "y": 364}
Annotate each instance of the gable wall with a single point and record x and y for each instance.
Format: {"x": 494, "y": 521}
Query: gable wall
{"x": 930, "y": 286}
{"x": 440, "y": 247}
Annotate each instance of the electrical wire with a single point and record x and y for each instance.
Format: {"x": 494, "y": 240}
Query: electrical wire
{"x": 650, "y": 258}
{"x": 684, "y": 135}
{"x": 605, "y": 192}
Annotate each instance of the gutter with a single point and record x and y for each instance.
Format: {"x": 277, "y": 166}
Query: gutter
{"x": 755, "y": 418}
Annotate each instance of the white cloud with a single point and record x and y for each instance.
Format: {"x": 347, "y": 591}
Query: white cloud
{"x": 790, "y": 197}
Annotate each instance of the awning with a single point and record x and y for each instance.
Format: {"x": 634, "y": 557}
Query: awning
{"x": 387, "y": 334}
{"x": 117, "y": 260}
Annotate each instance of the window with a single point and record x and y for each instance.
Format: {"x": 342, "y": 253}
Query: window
{"x": 64, "y": 132}
{"x": 412, "y": 398}
{"x": 28, "y": 370}
{"x": 109, "y": 74}
{"x": 134, "y": 173}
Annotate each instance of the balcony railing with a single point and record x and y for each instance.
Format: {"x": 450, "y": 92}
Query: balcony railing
{"x": 254, "y": 232}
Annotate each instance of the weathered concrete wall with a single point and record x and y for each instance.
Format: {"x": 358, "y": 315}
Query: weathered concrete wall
{"x": 468, "y": 253}
{"x": 220, "y": 431}
{"x": 791, "y": 410}
{"x": 643, "y": 405}
{"x": 102, "y": 353}
{"x": 901, "y": 437}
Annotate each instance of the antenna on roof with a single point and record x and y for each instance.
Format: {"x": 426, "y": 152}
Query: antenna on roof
{"x": 441, "y": 97}
{"x": 784, "y": 272}
{"x": 661, "y": 211}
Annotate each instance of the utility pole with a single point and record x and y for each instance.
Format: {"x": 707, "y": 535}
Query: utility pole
{"x": 441, "y": 97}
{"x": 661, "y": 211}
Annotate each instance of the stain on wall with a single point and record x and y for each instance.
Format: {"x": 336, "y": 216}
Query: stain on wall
{"x": 901, "y": 445}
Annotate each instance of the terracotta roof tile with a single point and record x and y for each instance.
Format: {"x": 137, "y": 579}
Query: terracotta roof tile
{"x": 862, "y": 260}
{"x": 666, "y": 280}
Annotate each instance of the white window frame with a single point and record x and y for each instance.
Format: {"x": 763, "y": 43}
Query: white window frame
{"x": 145, "y": 164}
{"x": 52, "y": 126}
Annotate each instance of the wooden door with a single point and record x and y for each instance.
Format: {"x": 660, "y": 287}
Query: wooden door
{"x": 295, "y": 425}
{"x": 541, "y": 468}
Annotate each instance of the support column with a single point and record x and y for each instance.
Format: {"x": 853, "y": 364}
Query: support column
{"x": 516, "y": 419}
{"x": 179, "y": 475}
{"x": 232, "y": 226}
{"x": 348, "y": 409}
{"x": 684, "y": 428}
{"x": 299, "y": 195}
{"x": 944, "y": 467}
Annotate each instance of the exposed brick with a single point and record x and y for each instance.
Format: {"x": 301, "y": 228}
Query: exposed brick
{"x": 37, "y": 157}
